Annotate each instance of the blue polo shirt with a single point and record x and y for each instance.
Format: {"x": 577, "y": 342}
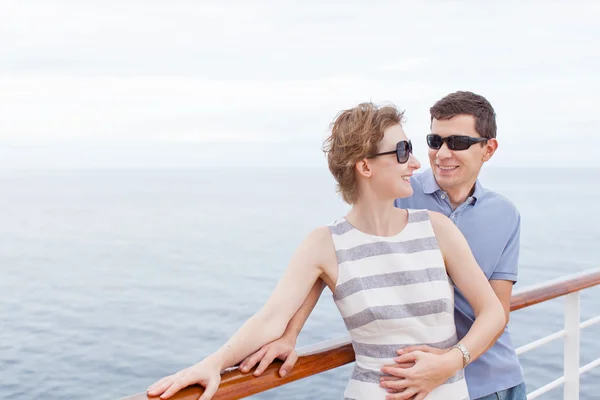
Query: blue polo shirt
{"x": 491, "y": 225}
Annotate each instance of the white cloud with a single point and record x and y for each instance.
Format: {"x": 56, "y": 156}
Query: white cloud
{"x": 150, "y": 72}
{"x": 113, "y": 108}
{"x": 405, "y": 64}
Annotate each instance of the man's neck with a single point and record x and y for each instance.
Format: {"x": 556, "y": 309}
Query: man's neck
{"x": 459, "y": 195}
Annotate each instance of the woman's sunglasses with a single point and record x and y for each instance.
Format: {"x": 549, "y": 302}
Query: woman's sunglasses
{"x": 455, "y": 142}
{"x": 402, "y": 152}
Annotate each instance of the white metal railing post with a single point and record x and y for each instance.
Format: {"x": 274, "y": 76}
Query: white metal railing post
{"x": 571, "y": 351}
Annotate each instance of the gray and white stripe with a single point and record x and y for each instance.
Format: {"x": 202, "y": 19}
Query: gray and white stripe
{"x": 372, "y": 376}
{"x": 389, "y": 350}
{"x": 398, "y": 311}
{"x": 400, "y": 278}
{"x": 383, "y": 248}
{"x": 393, "y": 292}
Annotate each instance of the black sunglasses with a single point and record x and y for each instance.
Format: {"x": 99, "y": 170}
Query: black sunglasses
{"x": 402, "y": 152}
{"x": 455, "y": 142}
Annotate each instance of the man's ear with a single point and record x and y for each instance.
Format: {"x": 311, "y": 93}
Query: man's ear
{"x": 363, "y": 168}
{"x": 490, "y": 148}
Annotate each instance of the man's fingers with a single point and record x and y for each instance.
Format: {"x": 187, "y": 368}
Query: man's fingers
{"x": 265, "y": 362}
{"x": 209, "y": 390}
{"x": 251, "y": 361}
{"x": 289, "y": 363}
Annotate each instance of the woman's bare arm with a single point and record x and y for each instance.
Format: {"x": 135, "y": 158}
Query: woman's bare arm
{"x": 308, "y": 263}
{"x": 271, "y": 321}
{"x": 284, "y": 347}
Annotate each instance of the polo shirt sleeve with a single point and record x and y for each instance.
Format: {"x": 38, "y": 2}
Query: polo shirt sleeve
{"x": 508, "y": 264}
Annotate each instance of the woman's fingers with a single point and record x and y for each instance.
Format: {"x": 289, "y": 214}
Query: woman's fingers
{"x": 405, "y": 395}
{"x": 396, "y": 371}
{"x": 395, "y": 385}
{"x": 160, "y": 386}
{"x": 420, "y": 396}
{"x": 174, "y": 388}
{"x": 408, "y": 357}
{"x": 181, "y": 379}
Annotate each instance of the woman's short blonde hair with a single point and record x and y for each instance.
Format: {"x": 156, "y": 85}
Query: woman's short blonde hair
{"x": 355, "y": 134}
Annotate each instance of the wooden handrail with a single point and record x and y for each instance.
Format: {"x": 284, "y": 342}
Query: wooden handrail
{"x": 335, "y": 353}
{"x": 237, "y": 385}
{"x": 549, "y": 290}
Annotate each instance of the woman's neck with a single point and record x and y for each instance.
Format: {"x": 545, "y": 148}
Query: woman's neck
{"x": 380, "y": 218}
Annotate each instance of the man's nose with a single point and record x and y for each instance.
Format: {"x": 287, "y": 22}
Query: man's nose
{"x": 444, "y": 152}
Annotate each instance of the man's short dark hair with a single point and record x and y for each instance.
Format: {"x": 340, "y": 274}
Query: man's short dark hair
{"x": 467, "y": 103}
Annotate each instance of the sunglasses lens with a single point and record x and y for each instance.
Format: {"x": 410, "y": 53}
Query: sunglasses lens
{"x": 403, "y": 150}
{"x": 459, "y": 143}
{"x": 434, "y": 141}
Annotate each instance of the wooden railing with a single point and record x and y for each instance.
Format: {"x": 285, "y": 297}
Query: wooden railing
{"x": 334, "y": 353}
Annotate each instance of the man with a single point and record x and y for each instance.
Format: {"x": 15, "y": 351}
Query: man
{"x": 462, "y": 139}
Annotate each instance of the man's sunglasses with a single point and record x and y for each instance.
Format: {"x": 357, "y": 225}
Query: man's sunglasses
{"x": 402, "y": 152}
{"x": 455, "y": 142}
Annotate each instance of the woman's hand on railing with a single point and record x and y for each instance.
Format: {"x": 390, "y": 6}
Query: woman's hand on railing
{"x": 282, "y": 348}
{"x": 428, "y": 371}
{"x": 206, "y": 373}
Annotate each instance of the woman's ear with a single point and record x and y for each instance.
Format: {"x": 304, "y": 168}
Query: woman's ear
{"x": 363, "y": 168}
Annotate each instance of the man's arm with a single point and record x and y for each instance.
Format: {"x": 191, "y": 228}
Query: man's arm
{"x": 284, "y": 347}
{"x": 506, "y": 271}
{"x": 299, "y": 319}
{"x": 503, "y": 290}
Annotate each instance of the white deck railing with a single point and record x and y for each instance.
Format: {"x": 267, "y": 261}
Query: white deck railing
{"x": 572, "y": 336}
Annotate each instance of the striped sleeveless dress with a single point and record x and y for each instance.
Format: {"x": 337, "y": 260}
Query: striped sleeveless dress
{"x": 393, "y": 292}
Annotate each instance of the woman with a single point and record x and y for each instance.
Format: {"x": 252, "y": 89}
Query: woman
{"x": 389, "y": 271}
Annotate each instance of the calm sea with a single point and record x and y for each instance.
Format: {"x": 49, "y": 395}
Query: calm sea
{"x": 112, "y": 279}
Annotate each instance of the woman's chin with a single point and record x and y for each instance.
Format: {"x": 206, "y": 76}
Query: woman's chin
{"x": 404, "y": 192}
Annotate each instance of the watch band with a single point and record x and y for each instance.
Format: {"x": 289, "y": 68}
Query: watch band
{"x": 465, "y": 353}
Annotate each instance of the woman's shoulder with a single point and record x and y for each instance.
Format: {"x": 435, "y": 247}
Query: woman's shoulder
{"x": 319, "y": 241}
{"x": 441, "y": 224}
{"x": 318, "y": 234}
{"x": 318, "y": 250}
{"x": 437, "y": 216}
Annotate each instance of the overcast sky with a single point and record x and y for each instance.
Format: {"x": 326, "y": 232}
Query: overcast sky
{"x": 209, "y": 83}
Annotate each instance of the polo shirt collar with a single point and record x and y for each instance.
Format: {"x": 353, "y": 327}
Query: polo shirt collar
{"x": 430, "y": 186}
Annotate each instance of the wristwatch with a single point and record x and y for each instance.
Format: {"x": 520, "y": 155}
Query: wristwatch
{"x": 465, "y": 353}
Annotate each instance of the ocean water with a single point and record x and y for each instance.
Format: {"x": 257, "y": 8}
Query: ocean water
{"x": 110, "y": 280}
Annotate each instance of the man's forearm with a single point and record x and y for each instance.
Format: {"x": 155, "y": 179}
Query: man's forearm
{"x": 492, "y": 343}
{"x": 503, "y": 290}
{"x": 254, "y": 333}
{"x": 299, "y": 319}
